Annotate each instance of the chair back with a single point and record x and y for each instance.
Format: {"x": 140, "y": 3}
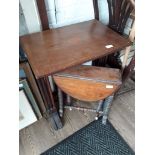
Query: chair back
{"x": 119, "y": 13}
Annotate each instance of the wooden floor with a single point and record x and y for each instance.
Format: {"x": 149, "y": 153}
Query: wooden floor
{"x": 38, "y": 137}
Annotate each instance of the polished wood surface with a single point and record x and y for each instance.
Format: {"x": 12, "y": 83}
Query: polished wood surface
{"x": 54, "y": 50}
{"x": 102, "y": 74}
{"x": 85, "y": 90}
{"x": 89, "y": 83}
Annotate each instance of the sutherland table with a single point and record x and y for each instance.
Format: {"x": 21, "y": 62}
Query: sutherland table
{"x": 54, "y": 50}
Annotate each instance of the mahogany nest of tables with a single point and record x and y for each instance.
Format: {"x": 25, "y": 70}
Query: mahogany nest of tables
{"x": 55, "y": 50}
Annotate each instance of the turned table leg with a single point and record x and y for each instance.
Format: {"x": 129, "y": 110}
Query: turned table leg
{"x": 68, "y": 100}
{"x": 60, "y": 99}
{"x": 106, "y": 108}
{"x": 100, "y": 103}
{"x": 46, "y": 92}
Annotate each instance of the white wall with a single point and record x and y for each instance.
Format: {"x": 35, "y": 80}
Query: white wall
{"x": 22, "y": 23}
{"x": 103, "y": 11}
{"x": 31, "y": 15}
{"x": 66, "y": 12}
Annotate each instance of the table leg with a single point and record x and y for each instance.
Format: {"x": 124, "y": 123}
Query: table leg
{"x": 60, "y": 99}
{"x": 68, "y": 99}
{"x": 46, "y": 92}
{"x": 106, "y": 108}
{"x": 98, "y": 109}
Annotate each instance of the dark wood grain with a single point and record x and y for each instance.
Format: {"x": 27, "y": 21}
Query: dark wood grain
{"x": 89, "y": 83}
{"x": 119, "y": 12}
{"x": 43, "y": 14}
{"x": 96, "y": 9}
{"x": 55, "y": 50}
{"x": 46, "y": 92}
{"x": 50, "y": 105}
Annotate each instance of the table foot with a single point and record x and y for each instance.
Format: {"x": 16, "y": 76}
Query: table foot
{"x": 106, "y": 108}
{"x": 50, "y": 104}
{"x": 55, "y": 121}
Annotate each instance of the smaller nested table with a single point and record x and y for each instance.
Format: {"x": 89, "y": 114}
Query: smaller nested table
{"x": 57, "y": 49}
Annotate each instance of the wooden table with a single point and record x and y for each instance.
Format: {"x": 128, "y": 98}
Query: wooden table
{"x": 55, "y": 50}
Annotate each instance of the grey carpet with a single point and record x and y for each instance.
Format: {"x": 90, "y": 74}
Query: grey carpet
{"x": 94, "y": 139}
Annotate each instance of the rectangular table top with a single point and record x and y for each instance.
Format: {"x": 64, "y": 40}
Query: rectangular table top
{"x": 54, "y": 50}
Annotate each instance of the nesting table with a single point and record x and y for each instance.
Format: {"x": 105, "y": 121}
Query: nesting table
{"x": 57, "y": 49}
